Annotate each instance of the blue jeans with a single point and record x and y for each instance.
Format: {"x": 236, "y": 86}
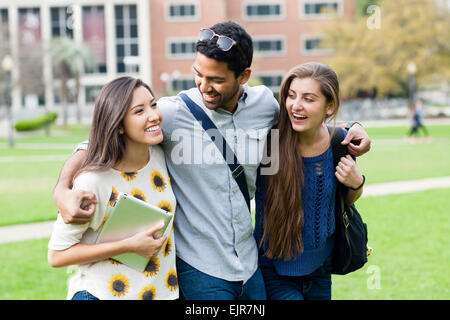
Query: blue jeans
{"x": 314, "y": 286}
{"x": 196, "y": 285}
{"x": 83, "y": 295}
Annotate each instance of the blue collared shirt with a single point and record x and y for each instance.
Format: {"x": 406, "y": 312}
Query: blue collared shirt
{"x": 213, "y": 227}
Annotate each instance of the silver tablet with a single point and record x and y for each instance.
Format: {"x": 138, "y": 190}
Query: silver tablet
{"x": 128, "y": 217}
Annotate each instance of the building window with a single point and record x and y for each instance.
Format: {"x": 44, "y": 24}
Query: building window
{"x": 320, "y": 8}
{"x": 273, "y": 81}
{"x": 4, "y": 49}
{"x": 268, "y": 47}
{"x": 30, "y": 53}
{"x": 183, "y": 12}
{"x": 312, "y": 45}
{"x": 181, "y": 48}
{"x": 61, "y": 20}
{"x": 126, "y": 36}
{"x": 94, "y": 35}
{"x": 4, "y": 30}
{"x": 91, "y": 93}
{"x": 263, "y": 11}
{"x": 182, "y": 84}
{"x": 29, "y": 26}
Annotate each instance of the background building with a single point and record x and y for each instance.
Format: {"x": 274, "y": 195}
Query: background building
{"x": 151, "y": 39}
{"x": 284, "y": 33}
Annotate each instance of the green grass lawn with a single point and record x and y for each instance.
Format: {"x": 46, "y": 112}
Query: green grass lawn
{"x": 408, "y": 232}
{"x": 393, "y": 159}
{"x": 58, "y": 134}
{"x": 26, "y": 275}
{"x": 30, "y": 170}
{"x": 409, "y": 235}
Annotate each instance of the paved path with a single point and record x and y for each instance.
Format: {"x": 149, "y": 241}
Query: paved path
{"x": 44, "y": 229}
{"x": 26, "y": 231}
{"x": 381, "y": 189}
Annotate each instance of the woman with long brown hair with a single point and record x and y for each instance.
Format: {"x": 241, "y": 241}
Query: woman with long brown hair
{"x": 295, "y": 207}
{"x": 123, "y": 155}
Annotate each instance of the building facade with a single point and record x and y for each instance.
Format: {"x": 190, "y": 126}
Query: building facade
{"x": 285, "y": 33}
{"x": 153, "y": 40}
{"x": 112, "y": 29}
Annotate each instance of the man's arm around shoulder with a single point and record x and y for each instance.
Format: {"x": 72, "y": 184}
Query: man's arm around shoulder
{"x": 69, "y": 201}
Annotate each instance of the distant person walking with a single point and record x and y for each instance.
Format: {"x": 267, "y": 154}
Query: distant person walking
{"x": 417, "y": 122}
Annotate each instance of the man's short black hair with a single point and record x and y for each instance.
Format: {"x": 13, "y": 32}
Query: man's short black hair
{"x": 236, "y": 62}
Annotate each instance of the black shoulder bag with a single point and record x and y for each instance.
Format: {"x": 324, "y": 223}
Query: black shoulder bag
{"x": 350, "y": 236}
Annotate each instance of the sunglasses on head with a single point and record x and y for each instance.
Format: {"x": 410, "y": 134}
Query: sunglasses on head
{"x": 223, "y": 42}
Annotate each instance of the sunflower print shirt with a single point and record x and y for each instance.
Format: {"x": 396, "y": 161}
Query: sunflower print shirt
{"x": 109, "y": 279}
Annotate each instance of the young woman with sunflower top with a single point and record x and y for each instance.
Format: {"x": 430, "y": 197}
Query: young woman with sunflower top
{"x": 123, "y": 155}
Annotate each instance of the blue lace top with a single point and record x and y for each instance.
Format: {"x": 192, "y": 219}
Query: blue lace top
{"x": 318, "y": 196}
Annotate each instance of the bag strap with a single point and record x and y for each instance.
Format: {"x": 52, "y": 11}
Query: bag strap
{"x": 237, "y": 170}
{"x": 339, "y": 151}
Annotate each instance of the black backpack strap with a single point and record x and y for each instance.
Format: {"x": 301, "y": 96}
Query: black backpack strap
{"x": 337, "y": 136}
{"x": 237, "y": 170}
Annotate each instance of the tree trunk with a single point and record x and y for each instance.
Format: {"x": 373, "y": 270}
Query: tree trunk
{"x": 64, "y": 94}
{"x": 77, "y": 95}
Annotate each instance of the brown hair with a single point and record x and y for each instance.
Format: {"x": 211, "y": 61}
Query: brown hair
{"x": 283, "y": 208}
{"x": 106, "y": 144}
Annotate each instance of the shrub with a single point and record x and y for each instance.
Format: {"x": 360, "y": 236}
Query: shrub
{"x": 36, "y": 123}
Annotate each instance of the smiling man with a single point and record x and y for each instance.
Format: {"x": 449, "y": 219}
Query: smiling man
{"x": 217, "y": 83}
{"x": 216, "y": 251}
{"x": 215, "y": 244}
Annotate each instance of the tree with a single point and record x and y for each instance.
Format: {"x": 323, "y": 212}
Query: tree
{"x": 70, "y": 58}
{"x": 361, "y": 7}
{"x": 4, "y": 50}
{"x": 372, "y": 56}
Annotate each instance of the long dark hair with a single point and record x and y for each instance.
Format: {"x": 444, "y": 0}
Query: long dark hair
{"x": 283, "y": 208}
{"x": 106, "y": 143}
